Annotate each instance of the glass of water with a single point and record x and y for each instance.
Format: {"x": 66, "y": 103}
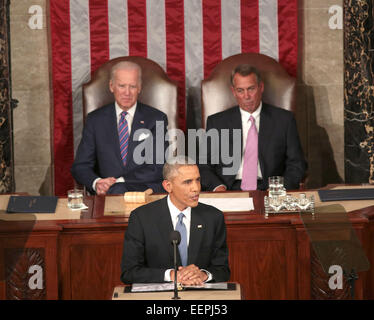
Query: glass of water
{"x": 276, "y": 187}
{"x": 75, "y": 199}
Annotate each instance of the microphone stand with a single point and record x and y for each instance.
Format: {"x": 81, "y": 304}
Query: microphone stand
{"x": 175, "y": 272}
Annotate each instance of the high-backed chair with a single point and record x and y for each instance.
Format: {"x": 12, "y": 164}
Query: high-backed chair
{"x": 279, "y": 86}
{"x": 157, "y": 89}
{"x": 216, "y": 95}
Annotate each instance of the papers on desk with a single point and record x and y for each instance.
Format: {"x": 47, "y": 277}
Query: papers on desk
{"x": 149, "y": 287}
{"x": 229, "y": 204}
{"x": 169, "y": 286}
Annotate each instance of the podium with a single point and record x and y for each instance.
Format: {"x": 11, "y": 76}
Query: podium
{"x": 202, "y": 294}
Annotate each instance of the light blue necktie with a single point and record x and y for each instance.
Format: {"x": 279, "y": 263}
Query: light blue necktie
{"x": 123, "y": 133}
{"x": 181, "y": 227}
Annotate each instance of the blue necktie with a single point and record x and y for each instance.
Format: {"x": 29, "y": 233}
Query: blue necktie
{"x": 123, "y": 133}
{"x": 183, "y": 244}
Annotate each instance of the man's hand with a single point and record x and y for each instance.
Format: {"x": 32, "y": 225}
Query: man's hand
{"x": 220, "y": 188}
{"x": 189, "y": 275}
{"x": 103, "y": 185}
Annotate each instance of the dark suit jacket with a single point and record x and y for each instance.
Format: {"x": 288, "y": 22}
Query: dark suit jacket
{"x": 279, "y": 148}
{"x": 148, "y": 252}
{"x": 98, "y": 154}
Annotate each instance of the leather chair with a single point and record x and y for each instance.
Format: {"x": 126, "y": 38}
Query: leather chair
{"x": 216, "y": 95}
{"x": 157, "y": 89}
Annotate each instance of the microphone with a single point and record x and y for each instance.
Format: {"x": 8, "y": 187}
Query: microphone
{"x": 175, "y": 238}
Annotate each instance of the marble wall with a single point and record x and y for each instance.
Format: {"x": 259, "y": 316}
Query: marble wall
{"x": 359, "y": 90}
{"x": 320, "y": 96}
{"x": 30, "y": 78}
{"x": 320, "y": 92}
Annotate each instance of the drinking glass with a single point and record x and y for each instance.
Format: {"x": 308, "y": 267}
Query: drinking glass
{"x": 75, "y": 199}
{"x": 276, "y": 187}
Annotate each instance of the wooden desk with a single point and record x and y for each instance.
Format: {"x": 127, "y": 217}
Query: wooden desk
{"x": 271, "y": 257}
{"x": 119, "y": 294}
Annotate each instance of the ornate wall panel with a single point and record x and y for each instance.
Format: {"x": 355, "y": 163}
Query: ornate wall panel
{"x": 6, "y": 149}
{"x": 358, "y": 91}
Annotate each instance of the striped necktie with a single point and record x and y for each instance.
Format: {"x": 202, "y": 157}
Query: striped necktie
{"x": 123, "y": 133}
{"x": 249, "y": 178}
{"x": 181, "y": 227}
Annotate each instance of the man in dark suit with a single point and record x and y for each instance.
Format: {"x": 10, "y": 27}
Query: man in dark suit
{"x": 118, "y": 151}
{"x": 148, "y": 251}
{"x": 277, "y": 150}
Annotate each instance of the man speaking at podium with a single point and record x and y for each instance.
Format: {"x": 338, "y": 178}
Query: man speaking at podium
{"x": 148, "y": 251}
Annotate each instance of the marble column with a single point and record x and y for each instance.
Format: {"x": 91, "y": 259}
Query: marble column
{"x": 6, "y": 152}
{"x": 358, "y": 91}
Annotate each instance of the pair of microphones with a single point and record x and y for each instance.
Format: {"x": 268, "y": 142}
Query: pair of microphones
{"x": 175, "y": 238}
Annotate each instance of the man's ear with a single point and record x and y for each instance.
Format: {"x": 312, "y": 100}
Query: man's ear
{"x": 261, "y": 86}
{"x": 232, "y": 90}
{"x": 167, "y": 185}
{"x": 111, "y": 86}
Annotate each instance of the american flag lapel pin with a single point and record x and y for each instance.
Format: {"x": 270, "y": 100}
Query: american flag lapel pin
{"x": 141, "y": 121}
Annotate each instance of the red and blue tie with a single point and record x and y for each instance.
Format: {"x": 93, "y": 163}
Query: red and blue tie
{"x": 123, "y": 133}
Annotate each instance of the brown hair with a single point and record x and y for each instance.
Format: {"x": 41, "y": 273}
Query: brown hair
{"x": 245, "y": 70}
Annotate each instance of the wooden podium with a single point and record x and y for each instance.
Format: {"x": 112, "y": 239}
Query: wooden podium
{"x": 203, "y": 294}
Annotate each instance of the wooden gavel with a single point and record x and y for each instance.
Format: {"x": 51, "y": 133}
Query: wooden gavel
{"x": 137, "y": 197}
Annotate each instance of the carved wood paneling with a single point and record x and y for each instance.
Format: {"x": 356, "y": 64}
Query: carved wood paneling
{"x": 262, "y": 260}
{"x": 17, "y": 266}
{"x": 320, "y": 289}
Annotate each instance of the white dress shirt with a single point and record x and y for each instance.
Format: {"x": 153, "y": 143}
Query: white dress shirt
{"x": 129, "y": 116}
{"x": 174, "y": 212}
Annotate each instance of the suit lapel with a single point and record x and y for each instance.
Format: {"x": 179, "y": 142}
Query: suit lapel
{"x": 165, "y": 226}
{"x": 264, "y": 136}
{"x": 138, "y": 122}
{"x": 237, "y": 123}
{"x": 236, "y": 118}
{"x": 196, "y": 235}
{"x": 113, "y": 131}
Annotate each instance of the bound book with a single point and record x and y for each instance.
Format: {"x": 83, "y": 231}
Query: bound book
{"x": 32, "y": 204}
{"x": 346, "y": 194}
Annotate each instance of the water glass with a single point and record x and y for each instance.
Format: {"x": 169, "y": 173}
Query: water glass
{"x": 75, "y": 199}
{"x": 276, "y": 187}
